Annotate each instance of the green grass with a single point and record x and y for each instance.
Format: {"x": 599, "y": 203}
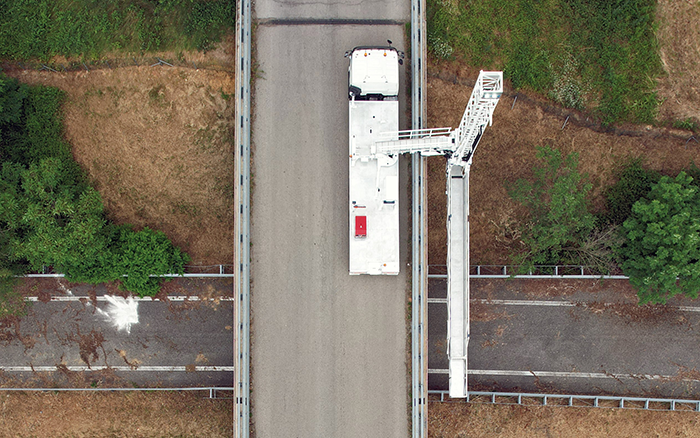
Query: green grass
{"x": 596, "y": 55}
{"x": 41, "y": 29}
{"x": 688, "y": 124}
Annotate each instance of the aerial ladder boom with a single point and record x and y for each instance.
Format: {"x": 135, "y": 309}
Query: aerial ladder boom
{"x": 479, "y": 112}
{"x": 458, "y": 146}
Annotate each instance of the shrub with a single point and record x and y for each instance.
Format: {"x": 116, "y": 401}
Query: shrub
{"x": 662, "y": 247}
{"x": 558, "y": 221}
{"x": 633, "y": 183}
{"x": 50, "y": 216}
{"x": 144, "y": 253}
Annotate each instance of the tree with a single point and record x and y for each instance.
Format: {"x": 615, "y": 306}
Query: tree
{"x": 661, "y": 254}
{"x": 61, "y": 220}
{"x": 145, "y": 253}
{"x": 558, "y": 223}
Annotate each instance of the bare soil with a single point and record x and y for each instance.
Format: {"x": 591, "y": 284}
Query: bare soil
{"x": 461, "y": 420}
{"x": 157, "y": 143}
{"x": 131, "y": 414}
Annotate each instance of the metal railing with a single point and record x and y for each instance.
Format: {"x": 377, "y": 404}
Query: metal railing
{"x": 538, "y": 272}
{"x": 241, "y": 348}
{"x": 571, "y": 400}
{"x": 419, "y": 356}
{"x": 213, "y": 390}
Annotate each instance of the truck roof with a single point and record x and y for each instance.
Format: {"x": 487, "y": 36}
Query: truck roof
{"x": 375, "y": 70}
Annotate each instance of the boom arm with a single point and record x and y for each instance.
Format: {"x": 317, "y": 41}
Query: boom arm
{"x": 458, "y": 144}
{"x": 479, "y": 113}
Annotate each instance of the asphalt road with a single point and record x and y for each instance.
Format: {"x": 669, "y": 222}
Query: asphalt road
{"x": 328, "y": 350}
{"x": 583, "y": 342}
{"x": 177, "y": 343}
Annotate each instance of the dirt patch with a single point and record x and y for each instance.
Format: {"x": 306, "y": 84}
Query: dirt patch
{"x": 89, "y": 344}
{"x": 678, "y": 35}
{"x": 461, "y": 420}
{"x": 157, "y": 143}
{"x": 653, "y": 314}
{"x": 507, "y": 152}
{"x": 480, "y": 312}
{"x": 10, "y": 330}
{"x": 545, "y": 288}
{"x": 99, "y": 415}
{"x": 134, "y": 363}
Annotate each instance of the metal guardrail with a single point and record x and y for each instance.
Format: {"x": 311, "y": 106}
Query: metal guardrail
{"x": 241, "y": 348}
{"x": 419, "y": 356}
{"x": 213, "y": 390}
{"x": 570, "y": 400}
{"x": 539, "y": 272}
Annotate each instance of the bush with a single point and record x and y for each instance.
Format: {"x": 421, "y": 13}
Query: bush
{"x": 558, "y": 222}
{"x": 144, "y": 253}
{"x": 661, "y": 253}
{"x": 633, "y": 183}
{"x": 50, "y": 216}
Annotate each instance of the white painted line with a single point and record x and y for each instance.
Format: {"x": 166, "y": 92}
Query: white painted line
{"x": 557, "y": 303}
{"x": 688, "y": 309}
{"x": 437, "y": 300}
{"x": 152, "y": 368}
{"x": 566, "y": 374}
{"x": 526, "y": 303}
{"x": 143, "y": 300}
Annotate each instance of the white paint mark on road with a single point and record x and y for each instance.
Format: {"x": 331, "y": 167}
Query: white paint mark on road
{"x": 122, "y": 312}
{"x": 145, "y": 368}
{"x": 567, "y": 374}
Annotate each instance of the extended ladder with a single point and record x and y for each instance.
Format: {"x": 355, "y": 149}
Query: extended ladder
{"x": 459, "y": 146}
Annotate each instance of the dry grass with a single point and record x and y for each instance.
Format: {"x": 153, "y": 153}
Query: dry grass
{"x": 157, "y": 142}
{"x": 507, "y": 152}
{"x": 461, "y": 420}
{"x": 678, "y": 34}
{"x": 133, "y": 414}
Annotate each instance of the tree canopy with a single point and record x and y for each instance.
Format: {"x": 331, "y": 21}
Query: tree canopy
{"x": 49, "y": 214}
{"x": 661, "y": 254}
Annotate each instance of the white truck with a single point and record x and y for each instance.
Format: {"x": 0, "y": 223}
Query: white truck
{"x": 373, "y": 88}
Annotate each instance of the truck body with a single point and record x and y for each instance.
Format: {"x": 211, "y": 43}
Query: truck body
{"x": 373, "y": 232}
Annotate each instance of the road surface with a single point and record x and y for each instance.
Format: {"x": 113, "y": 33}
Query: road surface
{"x": 588, "y": 340}
{"x": 328, "y": 350}
{"x": 77, "y": 342}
